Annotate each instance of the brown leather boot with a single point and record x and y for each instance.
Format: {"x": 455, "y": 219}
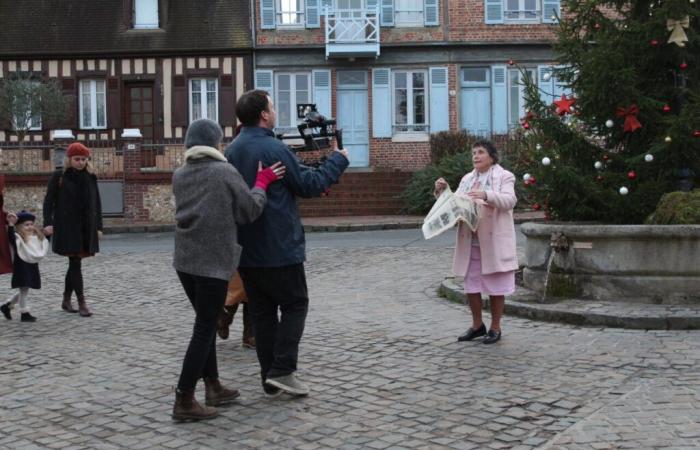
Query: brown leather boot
{"x": 216, "y": 394}
{"x": 225, "y": 320}
{"x": 188, "y": 408}
{"x": 248, "y": 336}
{"x": 67, "y": 304}
{"x": 83, "y": 307}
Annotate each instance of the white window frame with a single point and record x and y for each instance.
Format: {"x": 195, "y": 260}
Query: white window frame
{"x": 282, "y": 11}
{"x": 419, "y": 8}
{"x": 93, "y": 93}
{"x": 146, "y": 24}
{"x": 292, "y": 97}
{"x": 409, "y": 105}
{"x": 203, "y": 91}
{"x": 515, "y": 122}
{"x": 535, "y": 17}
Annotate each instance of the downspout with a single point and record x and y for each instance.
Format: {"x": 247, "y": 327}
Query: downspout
{"x": 255, "y": 41}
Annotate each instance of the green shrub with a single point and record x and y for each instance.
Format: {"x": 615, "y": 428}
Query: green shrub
{"x": 418, "y": 195}
{"x": 446, "y": 143}
{"x": 677, "y": 208}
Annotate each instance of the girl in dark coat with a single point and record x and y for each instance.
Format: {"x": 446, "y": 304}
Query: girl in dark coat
{"x": 29, "y": 246}
{"x": 73, "y": 216}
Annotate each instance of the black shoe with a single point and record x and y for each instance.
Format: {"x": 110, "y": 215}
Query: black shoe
{"x": 26, "y": 317}
{"x": 472, "y": 333}
{"x": 492, "y": 337}
{"x": 6, "y": 311}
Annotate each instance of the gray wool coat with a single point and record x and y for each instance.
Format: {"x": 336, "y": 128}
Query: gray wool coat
{"x": 211, "y": 199}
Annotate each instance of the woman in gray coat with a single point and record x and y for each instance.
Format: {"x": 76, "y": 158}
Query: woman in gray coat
{"x": 211, "y": 198}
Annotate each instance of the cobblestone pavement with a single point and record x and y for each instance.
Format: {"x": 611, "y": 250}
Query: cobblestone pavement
{"x": 380, "y": 354}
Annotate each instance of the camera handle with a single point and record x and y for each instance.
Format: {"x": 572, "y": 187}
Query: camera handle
{"x": 339, "y": 138}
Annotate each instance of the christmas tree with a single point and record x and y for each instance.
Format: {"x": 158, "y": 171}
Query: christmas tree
{"x": 619, "y": 125}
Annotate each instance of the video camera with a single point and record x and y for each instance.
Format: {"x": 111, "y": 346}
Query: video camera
{"x": 315, "y": 130}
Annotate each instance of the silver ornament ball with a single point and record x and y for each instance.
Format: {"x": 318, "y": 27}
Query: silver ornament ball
{"x": 648, "y": 157}
{"x": 624, "y": 191}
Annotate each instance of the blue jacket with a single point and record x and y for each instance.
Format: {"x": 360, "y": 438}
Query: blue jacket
{"x": 276, "y": 238}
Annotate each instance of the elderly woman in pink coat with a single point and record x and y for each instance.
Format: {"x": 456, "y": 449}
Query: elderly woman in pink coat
{"x": 486, "y": 258}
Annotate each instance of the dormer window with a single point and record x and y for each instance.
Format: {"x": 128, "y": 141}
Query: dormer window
{"x": 146, "y": 14}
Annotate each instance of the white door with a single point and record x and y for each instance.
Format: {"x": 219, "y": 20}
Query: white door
{"x": 476, "y": 111}
{"x": 353, "y": 115}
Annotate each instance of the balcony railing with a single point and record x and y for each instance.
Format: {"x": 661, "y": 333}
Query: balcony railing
{"x": 352, "y": 32}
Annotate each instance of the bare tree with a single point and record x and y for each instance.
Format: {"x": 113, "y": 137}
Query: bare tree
{"x": 27, "y": 102}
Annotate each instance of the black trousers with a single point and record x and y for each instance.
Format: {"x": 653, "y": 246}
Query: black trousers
{"x": 277, "y": 338}
{"x": 207, "y": 296}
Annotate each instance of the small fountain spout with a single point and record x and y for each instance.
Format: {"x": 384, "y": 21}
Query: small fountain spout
{"x": 559, "y": 242}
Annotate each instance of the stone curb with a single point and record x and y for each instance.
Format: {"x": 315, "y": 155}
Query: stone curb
{"x": 309, "y": 228}
{"x": 675, "y": 317}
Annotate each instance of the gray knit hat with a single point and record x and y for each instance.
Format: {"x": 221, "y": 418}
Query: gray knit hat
{"x": 203, "y": 132}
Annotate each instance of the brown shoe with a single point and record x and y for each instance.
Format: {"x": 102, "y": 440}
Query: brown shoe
{"x": 67, "y": 304}
{"x": 216, "y": 394}
{"x": 83, "y": 307}
{"x": 225, "y": 320}
{"x": 248, "y": 342}
{"x": 188, "y": 408}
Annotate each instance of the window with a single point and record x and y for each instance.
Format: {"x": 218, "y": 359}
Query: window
{"x": 516, "y": 95}
{"x": 93, "y": 113}
{"x": 146, "y": 14}
{"x": 29, "y": 118}
{"x": 290, "y": 12}
{"x": 290, "y": 89}
{"x": 410, "y": 101}
{"x": 204, "y": 101}
{"x": 408, "y": 13}
{"x": 521, "y": 10}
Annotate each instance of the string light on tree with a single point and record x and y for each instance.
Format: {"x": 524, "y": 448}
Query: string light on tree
{"x": 648, "y": 157}
{"x": 598, "y": 165}
{"x": 668, "y": 139}
{"x": 546, "y": 161}
{"x": 609, "y": 123}
{"x": 624, "y": 191}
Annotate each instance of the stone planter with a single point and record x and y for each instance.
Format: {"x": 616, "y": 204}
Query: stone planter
{"x": 631, "y": 263}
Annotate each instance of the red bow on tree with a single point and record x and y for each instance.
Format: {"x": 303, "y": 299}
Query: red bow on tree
{"x": 630, "y": 115}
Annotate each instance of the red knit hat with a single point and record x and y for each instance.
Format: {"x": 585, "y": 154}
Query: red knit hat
{"x": 77, "y": 149}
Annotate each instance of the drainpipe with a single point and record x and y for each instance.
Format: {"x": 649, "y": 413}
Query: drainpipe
{"x": 255, "y": 42}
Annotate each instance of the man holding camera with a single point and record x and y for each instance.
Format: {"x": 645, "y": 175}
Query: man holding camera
{"x": 272, "y": 261}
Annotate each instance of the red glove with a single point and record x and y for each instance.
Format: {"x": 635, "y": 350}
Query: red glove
{"x": 264, "y": 178}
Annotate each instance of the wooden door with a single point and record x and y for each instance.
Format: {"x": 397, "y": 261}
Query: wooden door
{"x": 139, "y": 114}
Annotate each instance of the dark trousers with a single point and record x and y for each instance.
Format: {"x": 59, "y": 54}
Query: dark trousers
{"x": 277, "y": 337}
{"x": 207, "y": 296}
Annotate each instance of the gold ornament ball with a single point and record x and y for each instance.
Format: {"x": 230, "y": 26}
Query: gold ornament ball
{"x": 667, "y": 139}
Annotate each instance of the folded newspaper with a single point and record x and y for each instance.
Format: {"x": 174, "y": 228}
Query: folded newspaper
{"x": 447, "y": 211}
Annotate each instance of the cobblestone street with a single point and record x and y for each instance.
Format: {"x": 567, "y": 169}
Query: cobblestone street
{"x": 379, "y": 352}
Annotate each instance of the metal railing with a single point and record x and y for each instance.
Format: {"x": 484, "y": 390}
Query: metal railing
{"x": 345, "y": 26}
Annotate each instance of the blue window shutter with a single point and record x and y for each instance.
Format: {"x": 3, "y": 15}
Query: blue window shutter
{"x": 371, "y": 4}
{"x": 431, "y": 12}
{"x": 381, "y": 103}
{"x": 493, "y": 11}
{"x": 267, "y": 14}
{"x": 322, "y": 91}
{"x": 551, "y": 11}
{"x": 387, "y": 13}
{"x": 312, "y": 14}
{"x": 439, "y": 100}
{"x": 264, "y": 81}
{"x": 545, "y": 87}
{"x": 499, "y": 99}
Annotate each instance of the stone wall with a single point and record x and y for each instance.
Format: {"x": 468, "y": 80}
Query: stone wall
{"x": 30, "y": 198}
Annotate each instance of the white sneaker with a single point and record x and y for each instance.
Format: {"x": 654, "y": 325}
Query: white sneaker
{"x": 289, "y": 384}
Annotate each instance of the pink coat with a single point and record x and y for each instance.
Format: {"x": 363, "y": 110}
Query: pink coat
{"x": 496, "y": 229}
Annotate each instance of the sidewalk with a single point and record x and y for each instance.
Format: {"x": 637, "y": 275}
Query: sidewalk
{"x": 314, "y": 224}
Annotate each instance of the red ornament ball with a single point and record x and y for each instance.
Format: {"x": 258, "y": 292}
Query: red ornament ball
{"x": 631, "y": 174}
{"x": 683, "y": 65}
{"x": 599, "y": 178}
{"x": 696, "y": 133}
{"x": 606, "y": 157}
{"x": 526, "y": 125}
{"x": 532, "y": 180}
{"x": 667, "y": 108}
{"x": 511, "y": 62}
{"x": 596, "y": 26}
{"x": 654, "y": 42}
{"x": 536, "y": 207}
